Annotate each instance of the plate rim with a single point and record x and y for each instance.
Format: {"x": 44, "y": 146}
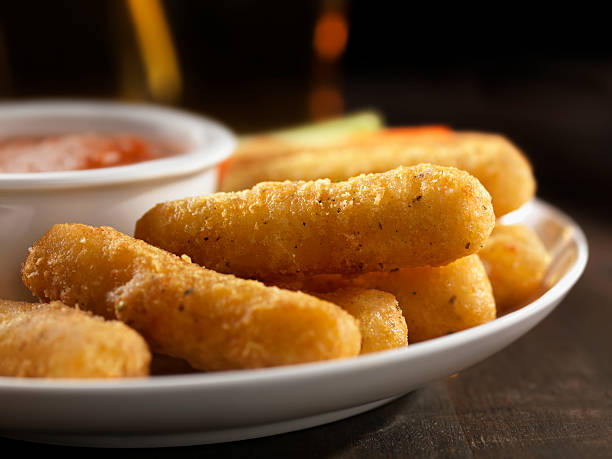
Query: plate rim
{"x": 329, "y": 368}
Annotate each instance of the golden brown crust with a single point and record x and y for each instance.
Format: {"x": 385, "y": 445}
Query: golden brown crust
{"x": 247, "y": 162}
{"x": 434, "y": 301}
{"x": 410, "y": 216}
{"x": 79, "y": 265}
{"x": 516, "y": 261}
{"x": 242, "y": 326}
{"x": 439, "y": 301}
{"x": 499, "y": 165}
{"x": 381, "y": 322}
{"x": 55, "y": 341}
{"x": 212, "y": 320}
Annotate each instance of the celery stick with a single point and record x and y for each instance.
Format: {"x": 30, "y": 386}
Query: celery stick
{"x": 329, "y": 131}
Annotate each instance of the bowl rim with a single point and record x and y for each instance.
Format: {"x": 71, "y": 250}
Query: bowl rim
{"x": 330, "y": 368}
{"x": 215, "y": 142}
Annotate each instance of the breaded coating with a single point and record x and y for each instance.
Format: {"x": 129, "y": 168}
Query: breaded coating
{"x": 434, "y": 301}
{"x": 516, "y": 260}
{"x": 381, "y": 322}
{"x": 245, "y": 326}
{"x": 410, "y": 216}
{"x": 499, "y": 165}
{"x": 438, "y": 301}
{"x": 213, "y": 321}
{"x": 252, "y": 152}
{"x": 55, "y": 341}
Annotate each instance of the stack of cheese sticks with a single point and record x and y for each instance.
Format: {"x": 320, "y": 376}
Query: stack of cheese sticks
{"x": 359, "y": 244}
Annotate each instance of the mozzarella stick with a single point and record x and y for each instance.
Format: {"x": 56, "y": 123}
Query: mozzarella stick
{"x": 496, "y": 162}
{"x": 241, "y": 170}
{"x": 381, "y": 323}
{"x": 55, "y": 341}
{"x": 434, "y": 301}
{"x": 211, "y": 320}
{"x": 516, "y": 261}
{"x": 410, "y": 216}
{"x": 240, "y": 328}
{"x": 438, "y": 301}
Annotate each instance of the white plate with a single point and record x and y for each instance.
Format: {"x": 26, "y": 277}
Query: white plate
{"x": 236, "y": 405}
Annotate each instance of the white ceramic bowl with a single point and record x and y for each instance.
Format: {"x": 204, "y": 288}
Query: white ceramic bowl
{"x": 234, "y": 405}
{"x": 30, "y": 203}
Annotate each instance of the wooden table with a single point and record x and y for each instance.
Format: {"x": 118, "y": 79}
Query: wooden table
{"x": 547, "y": 395}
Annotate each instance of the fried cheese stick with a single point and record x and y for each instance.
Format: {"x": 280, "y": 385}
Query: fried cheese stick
{"x": 516, "y": 261}
{"x": 55, "y": 341}
{"x": 251, "y": 153}
{"x": 213, "y": 321}
{"x": 381, "y": 323}
{"x": 410, "y": 216}
{"x": 434, "y": 301}
{"x": 438, "y": 301}
{"x": 241, "y": 328}
{"x": 494, "y": 160}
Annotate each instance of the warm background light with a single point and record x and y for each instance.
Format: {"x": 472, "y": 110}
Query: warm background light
{"x": 157, "y": 49}
{"x": 330, "y": 36}
{"x": 325, "y": 102}
{"x": 329, "y": 41}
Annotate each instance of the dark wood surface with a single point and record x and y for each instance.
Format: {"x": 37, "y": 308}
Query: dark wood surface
{"x": 548, "y": 395}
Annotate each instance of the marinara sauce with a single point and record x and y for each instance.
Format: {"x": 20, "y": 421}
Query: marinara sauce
{"x": 68, "y": 152}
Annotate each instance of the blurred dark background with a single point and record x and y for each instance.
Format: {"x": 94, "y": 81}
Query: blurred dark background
{"x": 542, "y": 78}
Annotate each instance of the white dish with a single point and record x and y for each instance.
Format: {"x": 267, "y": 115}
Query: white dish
{"x": 115, "y": 196}
{"x": 236, "y": 405}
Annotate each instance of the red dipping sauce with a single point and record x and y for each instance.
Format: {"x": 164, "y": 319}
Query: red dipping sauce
{"x": 69, "y": 152}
